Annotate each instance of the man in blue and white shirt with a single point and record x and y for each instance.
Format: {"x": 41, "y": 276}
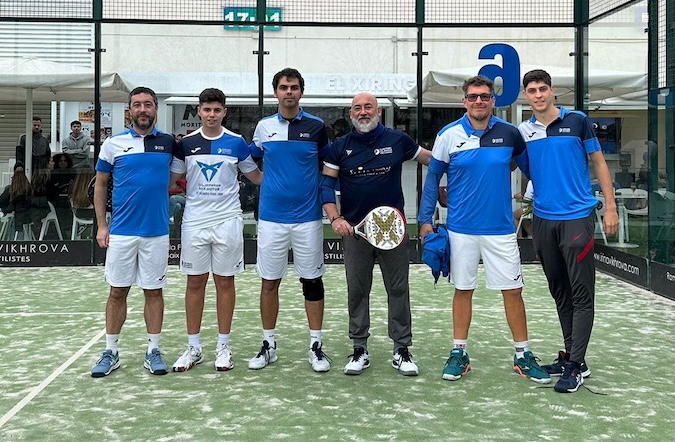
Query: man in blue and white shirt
{"x": 291, "y": 143}
{"x": 138, "y": 236}
{"x": 212, "y": 229}
{"x": 559, "y": 144}
{"x": 476, "y": 152}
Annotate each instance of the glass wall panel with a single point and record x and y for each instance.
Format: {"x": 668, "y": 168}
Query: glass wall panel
{"x": 619, "y": 116}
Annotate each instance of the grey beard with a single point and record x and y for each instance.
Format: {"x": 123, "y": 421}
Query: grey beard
{"x": 364, "y": 128}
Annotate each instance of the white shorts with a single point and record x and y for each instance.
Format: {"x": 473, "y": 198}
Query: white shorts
{"x": 138, "y": 260}
{"x": 306, "y": 240}
{"x": 218, "y": 249}
{"x": 501, "y": 260}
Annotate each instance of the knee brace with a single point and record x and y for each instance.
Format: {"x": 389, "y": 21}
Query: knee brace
{"x": 312, "y": 289}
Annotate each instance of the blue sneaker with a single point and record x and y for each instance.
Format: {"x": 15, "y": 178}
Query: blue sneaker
{"x": 154, "y": 362}
{"x": 556, "y": 368}
{"x": 528, "y": 367}
{"x": 106, "y": 364}
{"x": 570, "y": 380}
{"x": 457, "y": 365}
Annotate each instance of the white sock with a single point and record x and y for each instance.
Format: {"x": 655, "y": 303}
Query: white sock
{"x": 268, "y": 335}
{"x": 314, "y": 336}
{"x": 153, "y": 342}
{"x": 193, "y": 340}
{"x": 460, "y": 343}
{"x": 521, "y": 347}
{"x": 223, "y": 339}
{"x": 111, "y": 342}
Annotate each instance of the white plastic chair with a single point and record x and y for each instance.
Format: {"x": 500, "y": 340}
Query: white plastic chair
{"x": 6, "y": 226}
{"x": 599, "y": 213}
{"x": 637, "y": 204}
{"x": 79, "y": 222}
{"x": 51, "y": 217}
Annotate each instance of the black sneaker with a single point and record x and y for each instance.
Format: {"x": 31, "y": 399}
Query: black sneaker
{"x": 570, "y": 380}
{"x": 556, "y": 368}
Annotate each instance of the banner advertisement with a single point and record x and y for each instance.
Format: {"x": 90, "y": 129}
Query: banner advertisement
{"x": 663, "y": 279}
{"x": 623, "y": 265}
{"x": 45, "y": 253}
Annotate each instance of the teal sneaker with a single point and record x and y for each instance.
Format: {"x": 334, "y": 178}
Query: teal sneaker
{"x": 528, "y": 367}
{"x": 457, "y": 365}
{"x": 106, "y": 364}
{"x": 154, "y": 362}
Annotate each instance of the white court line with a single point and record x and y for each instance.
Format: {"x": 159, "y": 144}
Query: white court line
{"x": 37, "y": 390}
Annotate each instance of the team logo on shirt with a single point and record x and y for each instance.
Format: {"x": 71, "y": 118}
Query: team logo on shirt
{"x": 564, "y": 130}
{"x": 459, "y": 146}
{"x": 195, "y": 150}
{"x": 383, "y": 150}
{"x": 127, "y": 149}
{"x": 209, "y": 170}
{"x": 531, "y": 135}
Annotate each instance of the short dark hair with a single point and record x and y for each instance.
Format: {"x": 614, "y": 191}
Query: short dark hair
{"x": 211, "y": 94}
{"x": 75, "y": 122}
{"x": 537, "y": 76}
{"x": 36, "y": 118}
{"x": 478, "y": 80}
{"x": 143, "y": 90}
{"x": 288, "y": 73}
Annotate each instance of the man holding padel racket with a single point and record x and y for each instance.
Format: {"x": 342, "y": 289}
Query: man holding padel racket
{"x": 477, "y": 152}
{"x": 367, "y": 162}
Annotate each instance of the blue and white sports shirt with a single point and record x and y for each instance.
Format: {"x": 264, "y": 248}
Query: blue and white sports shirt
{"x": 558, "y": 155}
{"x": 212, "y": 187}
{"x": 478, "y": 165}
{"x": 140, "y": 174}
{"x": 291, "y": 150}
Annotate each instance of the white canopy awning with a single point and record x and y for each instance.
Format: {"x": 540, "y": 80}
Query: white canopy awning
{"x": 446, "y": 87}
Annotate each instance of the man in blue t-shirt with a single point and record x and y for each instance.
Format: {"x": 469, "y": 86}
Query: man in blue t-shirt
{"x": 137, "y": 239}
{"x": 367, "y": 163}
{"x": 559, "y": 143}
{"x": 476, "y": 153}
{"x": 291, "y": 143}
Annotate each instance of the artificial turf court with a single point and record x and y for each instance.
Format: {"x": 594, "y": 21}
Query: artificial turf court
{"x": 52, "y": 328}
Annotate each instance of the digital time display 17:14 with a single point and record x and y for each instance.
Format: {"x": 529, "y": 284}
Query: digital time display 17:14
{"x": 240, "y": 18}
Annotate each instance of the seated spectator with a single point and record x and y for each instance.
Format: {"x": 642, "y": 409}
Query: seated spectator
{"x": 79, "y": 192}
{"x": 177, "y": 200}
{"x": 17, "y": 197}
{"x": 61, "y": 180}
{"x": 42, "y": 192}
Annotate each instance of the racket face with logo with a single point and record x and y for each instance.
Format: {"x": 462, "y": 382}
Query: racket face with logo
{"x": 383, "y": 227}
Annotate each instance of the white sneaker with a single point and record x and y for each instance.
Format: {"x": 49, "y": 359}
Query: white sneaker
{"x": 320, "y": 362}
{"x": 265, "y": 356}
{"x": 359, "y": 361}
{"x": 403, "y": 362}
{"x": 224, "y": 361}
{"x": 191, "y": 357}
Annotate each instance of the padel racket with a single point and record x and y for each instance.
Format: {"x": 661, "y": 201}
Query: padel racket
{"x": 383, "y": 227}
